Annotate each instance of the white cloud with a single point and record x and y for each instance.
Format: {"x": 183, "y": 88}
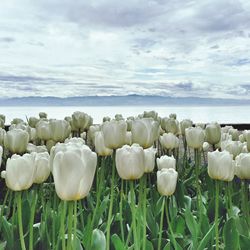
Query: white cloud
{"x": 68, "y": 48}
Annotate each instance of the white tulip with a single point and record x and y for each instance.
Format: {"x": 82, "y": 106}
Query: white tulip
{"x": 186, "y": 123}
{"x": 145, "y": 131}
{"x": 242, "y": 169}
{"x": 166, "y": 162}
{"x": 220, "y": 165}
{"x": 16, "y": 141}
{"x": 166, "y": 181}
{"x": 100, "y": 147}
{"x": 213, "y": 133}
{"x": 73, "y": 172}
{"x": 130, "y": 162}
{"x": 169, "y": 141}
{"x": 20, "y": 171}
{"x": 43, "y": 130}
{"x": 195, "y": 137}
{"x": 60, "y": 130}
{"x": 41, "y": 161}
{"x": 149, "y": 159}
{"x": 1, "y": 155}
{"x": 233, "y": 147}
{"x": 114, "y": 133}
{"x": 2, "y": 136}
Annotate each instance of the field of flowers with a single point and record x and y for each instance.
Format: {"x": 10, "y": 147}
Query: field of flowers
{"x": 145, "y": 182}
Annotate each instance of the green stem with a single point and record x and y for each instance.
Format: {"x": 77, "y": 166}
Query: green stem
{"x": 70, "y": 217}
{"x": 216, "y": 214}
{"x": 144, "y": 212}
{"x": 3, "y": 206}
{"x": 244, "y": 193}
{"x": 161, "y": 223}
{"x": 198, "y": 191}
{"x": 169, "y": 224}
{"x": 120, "y": 206}
{"x": 111, "y": 203}
{"x": 20, "y": 222}
{"x": 32, "y": 216}
{"x": 133, "y": 211}
{"x": 140, "y": 207}
{"x": 75, "y": 223}
{"x": 229, "y": 197}
{"x": 62, "y": 225}
{"x": 54, "y": 222}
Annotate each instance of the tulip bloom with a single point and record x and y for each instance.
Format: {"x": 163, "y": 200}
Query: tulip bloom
{"x": 20, "y": 171}
{"x": 220, "y": 165}
{"x": 114, "y": 133}
{"x": 73, "y": 171}
{"x": 130, "y": 162}
{"x": 100, "y": 147}
{"x": 233, "y": 147}
{"x": 166, "y": 162}
{"x": 81, "y": 121}
{"x": 145, "y": 131}
{"x": 60, "y": 130}
{"x": 166, "y": 181}
{"x": 169, "y": 141}
{"x": 16, "y": 141}
{"x": 186, "y": 123}
{"x": 242, "y": 169}
{"x": 149, "y": 156}
{"x": 170, "y": 125}
{"x": 195, "y": 137}
{"x": 2, "y": 136}
{"x": 41, "y": 161}
{"x": 43, "y": 130}
{"x": 213, "y": 133}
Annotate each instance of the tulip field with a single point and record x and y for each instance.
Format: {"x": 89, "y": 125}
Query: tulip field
{"x": 144, "y": 182}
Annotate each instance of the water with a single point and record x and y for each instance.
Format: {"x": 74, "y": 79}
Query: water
{"x": 221, "y": 114}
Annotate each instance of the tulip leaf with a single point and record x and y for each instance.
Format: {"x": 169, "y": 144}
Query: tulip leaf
{"x": 244, "y": 242}
{"x": 206, "y": 238}
{"x": 117, "y": 242}
{"x": 178, "y": 225}
{"x": 242, "y": 226}
{"x": 98, "y": 240}
{"x": 7, "y": 232}
{"x": 230, "y": 235}
{"x": 192, "y": 225}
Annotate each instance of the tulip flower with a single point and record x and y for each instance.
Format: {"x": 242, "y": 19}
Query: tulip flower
{"x": 195, "y": 137}
{"x": 38, "y": 149}
{"x": 150, "y": 114}
{"x": 1, "y": 123}
{"x": 43, "y": 130}
{"x": 16, "y": 121}
{"x": 81, "y": 121}
{"x": 33, "y": 121}
{"x": 169, "y": 141}
{"x": 233, "y": 147}
{"x": 186, "y": 123}
{"x": 234, "y": 133}
{"x": 149, "y": 159}
{"x": 2, "y": 117}
{"x": 170, "y": 125}
{"x": 91, "y": 133}
{"x": 73, "y": 171}
{"x": 213, "y": 133}
{"x": 2, "y": 136}
{"x": 220, "y": 165}
{"x": 43, "y": 115}
{"x": 76, "y": 140}
{"x": 20, "y": 171}
{"x": 106, "y": 119}
{"x": 119, "y": 117}
{"x": 130, "y": 162}
{"x": 166, "y": 162}
{"x": 114, "y": 133}
{"x": 100, "y": 147}
{"x": 166, "y": 181}
{"x": 242, "y": 169}
{"x": 145, "y": 131}
{"x": 60, "y": 130}
{"x": 16, "y": 141}
{"x": 41, "y": 161}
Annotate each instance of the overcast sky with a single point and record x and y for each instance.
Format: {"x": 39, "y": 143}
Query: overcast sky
{"x": 110, "y": 47}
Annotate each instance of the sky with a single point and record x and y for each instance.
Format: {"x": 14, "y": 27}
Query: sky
{"x": 177, "y": 48}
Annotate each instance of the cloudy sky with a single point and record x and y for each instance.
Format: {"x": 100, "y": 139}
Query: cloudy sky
{"x": 108, "y": 47}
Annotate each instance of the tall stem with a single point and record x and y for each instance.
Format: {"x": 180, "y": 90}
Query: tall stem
{"x": 75, "y": 223}
{"x": 120, "y": 206}
{"x": 32, "y": 216}
{"x": 169, "y": 224}
{"x": 71, "y": 207}
{"x": 197, "y": 171}
{"x": 216, "y": 214}
{"x": 3, "y": 206}
{"x": 133, "y": 210}
{"x": 20, "y": 222}
{"x": 229, "y": 197}
{"x": 144, "y": 212}
{"x": 161, "y": 223}
{"x": 62, "y": 225}
{"x": 111, "y": 202}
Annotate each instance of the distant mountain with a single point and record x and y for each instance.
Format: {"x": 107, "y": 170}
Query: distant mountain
{"x": 119, "y": 101}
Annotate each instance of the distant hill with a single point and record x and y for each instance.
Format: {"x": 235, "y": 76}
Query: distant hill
{"x": 118, "y": 101}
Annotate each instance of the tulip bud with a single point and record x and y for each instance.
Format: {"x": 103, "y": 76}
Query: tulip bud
{"x": 2, "y": 136}
{"x": 242, "y": 169}
{"x": 43, "y": 115}
{"x": 220, "y": 165}
{"x": 38, "y": 149}
{"x": 195, "y": 137}
{"x": 100, "y": 147}
{"x": 33, "y": 121}
{"x": 186, "y": 123}
{"x": 1, "y": 123}
{"x": 17, "y": 121}
{"x": 150, "y": 114}
{"x": 81, "y": 121}
{"x": 166, "y": 181}
{"x": 166, "y": 162}
{"x": 91, "y": 133}
{"x": 241, "y": 138}
{"x": 16, "y": 141}
{"x": 2, "y": 117}
{"x": 145, "y": 131}
{"x": 170, "y": 125}
{"x": 60, "y": 130}
{"x": 41, "y": 161}
{"x": 169, "y": 141}
{"x": 213, "y": 133}
{"x": 76, "y": 140}
{"x": 119, "y": 117}
{"x": 20, "y": 172}
{"x": 43, "y": 130}
{"x": 130, "y": 162}
{"x": 114, "y": 133}
{"x": 73, "y": 172}
{"x": 106, "y": 119}
{"x": 149, "y": 159}
{"x": 233, "y": 147}
{"x": 234, "y": 133}
{"x": 205, "y": 146}
{"x": 173, "y": 116}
